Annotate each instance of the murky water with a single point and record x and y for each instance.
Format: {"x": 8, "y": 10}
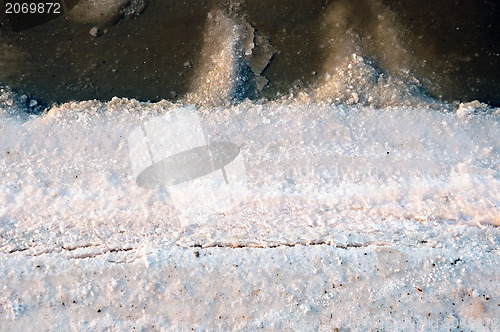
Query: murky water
{"x": 153, "y": 50}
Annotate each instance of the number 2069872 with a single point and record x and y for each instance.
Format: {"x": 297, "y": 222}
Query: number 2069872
{"x": 33, "y": 8}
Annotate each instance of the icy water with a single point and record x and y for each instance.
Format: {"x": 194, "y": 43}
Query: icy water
{"x": 153, "y": 50}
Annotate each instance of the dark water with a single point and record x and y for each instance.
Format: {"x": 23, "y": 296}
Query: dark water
{"x": 152, "y": 50}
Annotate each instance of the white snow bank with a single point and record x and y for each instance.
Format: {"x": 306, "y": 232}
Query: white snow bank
{"x": 315, "y": 173}
{"x": 401, "y": 202}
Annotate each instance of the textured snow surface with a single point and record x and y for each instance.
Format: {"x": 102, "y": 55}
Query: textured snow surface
{"x": 305, "y": 288}
{"x": 354, "y": 215}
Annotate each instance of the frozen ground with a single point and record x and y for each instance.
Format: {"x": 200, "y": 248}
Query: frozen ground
{"x": 356, "y": 218}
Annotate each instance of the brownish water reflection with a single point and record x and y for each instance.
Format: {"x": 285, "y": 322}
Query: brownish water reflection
{"x": 451, "y": 46}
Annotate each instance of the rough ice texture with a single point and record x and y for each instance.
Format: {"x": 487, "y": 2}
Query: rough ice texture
{"x": 356, "y": 218}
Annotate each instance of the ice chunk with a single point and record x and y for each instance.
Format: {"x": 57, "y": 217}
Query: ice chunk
{"x": 470, "y": 108}
{"x": 261, "y": 55}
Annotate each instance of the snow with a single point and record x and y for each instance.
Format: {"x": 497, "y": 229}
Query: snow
{"x": 356, "y": 203}
{"x": 354, "y": 218}
{"x": 307, "y": 288}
